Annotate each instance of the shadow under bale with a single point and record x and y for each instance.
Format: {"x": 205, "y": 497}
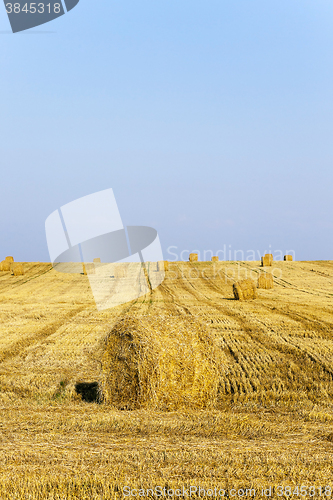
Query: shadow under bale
{"x": 89, "y": 391}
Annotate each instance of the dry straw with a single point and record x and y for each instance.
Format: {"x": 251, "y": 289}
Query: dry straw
{"x": 164, "y": 363}
{"x": 193, "y": 257}
{"x": 245, "y": 290}
{"x": 163, "y": 265}
{"x": 265, "y": 281}
{"x": 9, "y": 259}
{"x": 120, "y": 271}
{"x": 215, "y": 258}
{"x": 267, "y": 260}
{"x": 16, "y": 269}
{"x": 88, "y": 269}
{"x": 5, "y": 265}
{"x": 288, "y": 257}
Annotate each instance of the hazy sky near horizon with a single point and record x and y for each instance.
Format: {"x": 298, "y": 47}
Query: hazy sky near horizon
{"x": 211, "y": 120}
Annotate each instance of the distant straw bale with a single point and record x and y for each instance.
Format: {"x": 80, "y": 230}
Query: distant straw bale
{"x": 9, "y": 259}
{"x": 160, "y": 362}
{"x": 288, "y": 257}
{"x": 163, "y": 265}
{"x": 16, "y": 269}
{"x": 88, "y": 268}
{"x": 5, "y": 265}
{"x": 215, "y": 258}
{"x": 265, "y": 281}
{"x": 267, "y": 260}
{"x": 193, "y": 257}
{"x": 120, "y": 270}
{"x": 245, "y": 290}
{"x": 97, "y": 261}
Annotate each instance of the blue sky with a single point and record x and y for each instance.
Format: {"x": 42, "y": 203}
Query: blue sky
{"x": 212, "y": 122}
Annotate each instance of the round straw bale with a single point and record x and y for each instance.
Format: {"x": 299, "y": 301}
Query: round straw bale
{"x": 97, "y": 261}
{"x": 245, "y": 290}
{"x": 267, "y": 260}
{"x": 288, "y": 257}
{"x": 215, "y": 258}
{"x": 193, "y": 257}
{"x": 120, "y": 270}
{"x": 163, "y": 265}
{"x": 9, "y": 259}
{"x": 265, "y": 281}
{"x": 16, "y": 269}
{"x": 5, "y": 266}
{"x": 160, "y": 362}
{"x": 88, "y": 268}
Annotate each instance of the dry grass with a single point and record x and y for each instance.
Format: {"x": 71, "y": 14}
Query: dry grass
{"x": 272, "y": 422}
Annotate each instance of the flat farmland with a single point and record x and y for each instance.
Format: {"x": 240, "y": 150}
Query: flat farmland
{"x": 272, "y": 424}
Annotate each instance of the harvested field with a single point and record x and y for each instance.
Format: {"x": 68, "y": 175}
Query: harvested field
{"x": 271, "y": 420}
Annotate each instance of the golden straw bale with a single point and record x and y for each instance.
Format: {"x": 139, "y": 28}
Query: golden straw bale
{"x": 88, "y": 268}
{"x": 245, "y": 290}
{"x": 288, "y": 257}
{"x": 97, "y": 261}
{"x": 193, "y": 257}
{"x": 16, "y": 269}
{"x": 215, "y": 258}
{"x": 163, "y": 362}
{"x": 163, "y": 265}
{"x": 265, "y": 281}
{"x": 120, "y": 270}
{"x": 5, "y": 265}
{"x": 267, "y": 260}
{"x": 9, "y": 259}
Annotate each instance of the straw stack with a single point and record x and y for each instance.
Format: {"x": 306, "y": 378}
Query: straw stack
{"x": 267, "y": 260}
{"x": 163, "y": 265}
{"x": 245, "y": 290}
{"x": 288, "y": 258}
{"x": 88, "y": 269}
{"x": 215, "y": 258}
{"x": 9, "y": 259}
{"x": 97, "y": 261}
{"x": 193, "y": 257}
{"x": 265, "y": 281}
{"x": 16, "y": 269}
{"x": 5, "y": 265}
{"x": 165, "y": 363}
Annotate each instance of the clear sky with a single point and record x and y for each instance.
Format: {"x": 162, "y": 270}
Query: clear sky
{"x": 212, "y": 121}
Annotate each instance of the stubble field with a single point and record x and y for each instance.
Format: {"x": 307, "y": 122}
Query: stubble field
{"x": 272, "y": 424}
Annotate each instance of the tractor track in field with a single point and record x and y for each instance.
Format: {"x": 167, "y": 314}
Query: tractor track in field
{"x": 20, "y": 346}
